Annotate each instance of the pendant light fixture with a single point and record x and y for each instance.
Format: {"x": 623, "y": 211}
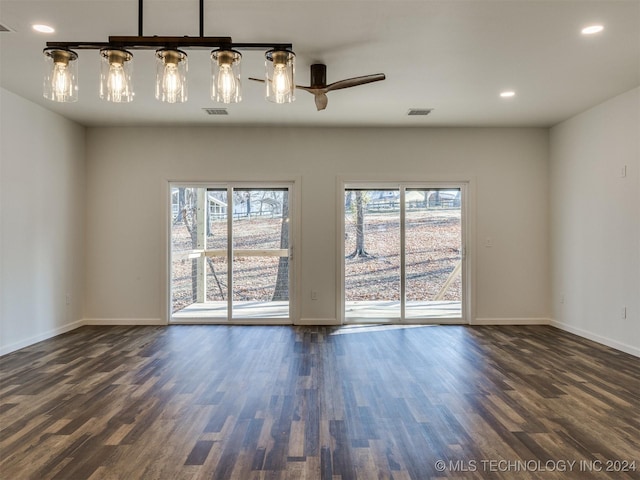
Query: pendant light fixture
{"x": 61, "y": 75}
{"x": 279, "y": 71}
{"x": 115, "y": 75}
{"x": 60, "y": 84}
{"x": 225, "y": 76}
{"x": 171, "y": 75}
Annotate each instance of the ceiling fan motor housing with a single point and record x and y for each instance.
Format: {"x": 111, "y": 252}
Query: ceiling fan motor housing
{"x": 318, "y": 75}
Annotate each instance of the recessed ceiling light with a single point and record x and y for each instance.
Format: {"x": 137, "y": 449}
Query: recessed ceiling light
{"x": 43, "y": 28}
{"x": 591, "y": 29}
{"x": 508, "y": 94}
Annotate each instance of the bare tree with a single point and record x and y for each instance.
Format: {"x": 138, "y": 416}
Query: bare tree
{"x": 360, "y": 250}
{"x": 187, "y": 212}
{"x": 181, "y": 203}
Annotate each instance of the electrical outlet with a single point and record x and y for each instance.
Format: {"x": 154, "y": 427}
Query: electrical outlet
{"x": 488, "y": 242}
{"x": 562, "y": 298}
{"x": 68, "y": 299}
{"x": 314, "y": 295}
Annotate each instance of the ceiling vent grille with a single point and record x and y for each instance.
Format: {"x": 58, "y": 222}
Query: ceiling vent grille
{"x": 215, "y": 111}
{"x": 4, "y": 28}
{"x": 420, "y": 111}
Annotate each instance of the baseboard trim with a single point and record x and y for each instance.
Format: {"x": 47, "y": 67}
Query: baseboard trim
{"x": 318, "y": 321}
{"x": 623, "y": 347}
{"x": 124, "y": 321}
{"x": 40, "y": 337}
{"x": 511, "y": 321}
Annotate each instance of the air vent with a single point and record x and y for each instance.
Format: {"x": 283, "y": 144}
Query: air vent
{"x": 216, "y": 111}
{"x": 4, "y": 28}
{"x": 420, "y": 111}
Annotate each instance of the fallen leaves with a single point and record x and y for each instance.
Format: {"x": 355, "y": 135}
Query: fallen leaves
{"x": 432, "y": 249}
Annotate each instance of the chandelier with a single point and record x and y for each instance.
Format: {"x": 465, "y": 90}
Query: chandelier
{"x": 116, "y": 62}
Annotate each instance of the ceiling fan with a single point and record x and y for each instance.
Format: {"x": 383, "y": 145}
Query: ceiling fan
{"x": 319, "y": 87}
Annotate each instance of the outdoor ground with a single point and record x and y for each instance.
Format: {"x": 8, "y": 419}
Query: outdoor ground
{"x": 432, "y": 252}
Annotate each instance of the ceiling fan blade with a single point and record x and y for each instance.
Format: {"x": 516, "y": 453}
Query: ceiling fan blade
{"x": 313, "y": 90}
{"x": 257, "y": 79}
{"x": 321, "y": 101}
{"x": 355, "y": 81}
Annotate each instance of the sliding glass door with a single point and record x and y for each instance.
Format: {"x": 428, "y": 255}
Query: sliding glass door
{"x": 403, "y": 253}
{"x": 230, "y": 253}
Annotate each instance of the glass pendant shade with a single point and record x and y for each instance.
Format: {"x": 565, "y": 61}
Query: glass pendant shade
{"x": 225, "y": 76}
{"x": 115, "y": 75}
{"x": 61, "y": 75}
{"x": 279, "y": 70}
{"x": 171, "y": 75}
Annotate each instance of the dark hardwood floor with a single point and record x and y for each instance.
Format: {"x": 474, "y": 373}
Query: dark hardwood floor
{"x": 218, "y": 402}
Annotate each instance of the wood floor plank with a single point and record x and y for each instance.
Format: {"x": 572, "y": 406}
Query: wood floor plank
{"x": 259, "y": 402}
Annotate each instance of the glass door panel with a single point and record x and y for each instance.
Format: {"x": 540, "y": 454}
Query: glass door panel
{"x": 229, "y": 254}
{"x": 199, "y": 273}
{"x": 372, "y": 254}
{"x": 260, "y": 253}
{"x": 433, "y": 253}
{"x": 184, "y": 215}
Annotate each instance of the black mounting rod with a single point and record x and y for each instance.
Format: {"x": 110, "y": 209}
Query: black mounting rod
{"x": 202, "y": 18}
{"x": 140, "y": 18}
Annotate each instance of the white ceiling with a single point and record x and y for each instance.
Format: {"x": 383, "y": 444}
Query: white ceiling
{"x": 453, "y": 56}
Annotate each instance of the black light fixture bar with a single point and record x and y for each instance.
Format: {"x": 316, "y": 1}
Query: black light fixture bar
{"x": 151, "y": 43}
{"x": 78, "y": 45}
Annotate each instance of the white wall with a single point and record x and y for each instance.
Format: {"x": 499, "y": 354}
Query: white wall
{"x": 593, "y": 213}
{"x": 128, "y": 169}
{"x": 595, "y": 222}
{"x": 42, "y": 197}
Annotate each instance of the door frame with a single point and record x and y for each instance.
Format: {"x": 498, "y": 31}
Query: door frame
{"x": 294, "y": 241}
{"x": 467, "y": 187}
